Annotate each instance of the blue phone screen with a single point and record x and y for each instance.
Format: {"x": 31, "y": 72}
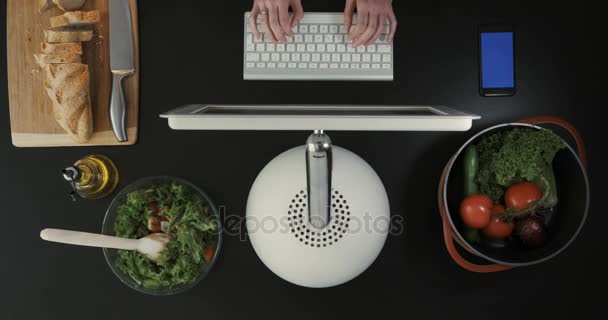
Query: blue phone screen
{"x": 497, "y": 65}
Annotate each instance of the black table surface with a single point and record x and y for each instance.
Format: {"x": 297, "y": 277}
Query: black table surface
{"x": 191, "y": 52}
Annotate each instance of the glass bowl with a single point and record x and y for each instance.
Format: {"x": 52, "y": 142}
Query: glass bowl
{"x": 108, "y": 229}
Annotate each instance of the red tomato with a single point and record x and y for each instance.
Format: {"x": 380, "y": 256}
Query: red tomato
{"x": 209, "y": 252}
{"x": 498, "y": 229}
{"x": 475, "y": 211}
{"x": 522, "y": 196}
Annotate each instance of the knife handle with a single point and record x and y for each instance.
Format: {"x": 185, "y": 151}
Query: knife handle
{"x": 118, "y": 106}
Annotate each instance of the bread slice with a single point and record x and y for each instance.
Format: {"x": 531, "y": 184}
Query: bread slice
{"x": 75, "y": 19}
{"x": 61, "y": 48}
{"x": 67, "y": 85}
{"x": 67, "y": 36}
{"x": 67, "y": 5}
{"x": 44, "y": 5}
{"x": 44, "y": 59}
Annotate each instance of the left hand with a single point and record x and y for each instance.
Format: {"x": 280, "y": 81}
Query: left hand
{"x": 371, "y": 18}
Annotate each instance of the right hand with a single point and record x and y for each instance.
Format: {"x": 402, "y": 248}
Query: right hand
{"x": 275, "y": 16}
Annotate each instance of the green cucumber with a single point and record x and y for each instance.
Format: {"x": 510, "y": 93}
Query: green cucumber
{"x": 470, "y": 168}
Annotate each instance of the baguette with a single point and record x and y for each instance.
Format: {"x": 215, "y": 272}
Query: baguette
{"x": 61, "y": 48}
{"x": 75, "y": 19}
{"x": 67, "y": 85}
{"x": 67, "y": 36}
{"x": 67, "y": 5}
{"x": 44, "y": 59}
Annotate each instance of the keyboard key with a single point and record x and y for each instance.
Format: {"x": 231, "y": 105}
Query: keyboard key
{"x": 341, "y": 48}
{"x": 335, "y": 57}
{"x": 258, "y": 40}
{"x": 260, "y": 65}
{"x": 275, "y": 57}
{"x": 384, "y": 48}
{"x": 375, "y": 66}
{"x": 265, "y": 57}
{"x": 350, "y": 49}
{"x": 285, "y": 57}
{"x": 253, "y": 57}
{"x": 249, "y": 38}
{"x": 386, "y": 66}
{"x": 280, "y": 47}
{"x": 386, "y": 58}
{"x": 365, "y": 66}
{"x": 366, "y": 57}
{"x": 308, "y": 38}
{"x": 361, "y": 49}
{"x": 318, "y": 38}
{"x": 323, "y": 28}
{"x": 331, "y": 47}
{"x": 302, "y": 65}
{"x": 313, "y": 28}
{"x": 270, "y": 47}
{"x": 354, "y": 66}
{"x": 356, "y": 57}
{"x": 333, "y": 28}
{"x": 250, "y": 65}
{"x": 311, "y": 47}
{"x": 333, "y": 66}
{"x": 282, "y": 65}
{"x": 291, "y": 47}
{"x": 376, "y": 58}
{"x": 320, "y": 47}
{"x": 260, "y": 47}
{"x": 267, "y": 38}
{"x": 325, "y": 57}
{"x": 329, "y": 38}
{"x": 338, "y": 38}
{"x": 323, "y": 66}
{"x": 313, "y": 65}
{"x": 316, "y": 57}
{"x": 371, "y": 48}
{"x": 295, "y": 57}
{"x": 250, "y": 47}
{"x": 298, "y": 38}
{"x": 271, "y": 65}
{"x": 346, "y": 57}
{"x": 291, "y": 65}
{"x": 342, "y": 29}
{"x": 289, "y": 39}
{"x": 306, "y": 57}
{"x": 300, "y": 47}
{"x": 344, "y": 65}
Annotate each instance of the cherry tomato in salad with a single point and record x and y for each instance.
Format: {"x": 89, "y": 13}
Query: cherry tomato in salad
{"x": 498, "y": 229}
{"x": 209, "y": 253}
{"x": 475, "y": 211}
{"x": 522, "y": 196}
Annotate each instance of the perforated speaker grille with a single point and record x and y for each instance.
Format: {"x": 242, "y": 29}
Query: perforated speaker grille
{"x": 297, "y": 216}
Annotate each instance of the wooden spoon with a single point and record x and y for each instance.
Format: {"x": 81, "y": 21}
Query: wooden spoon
{"x": 150, "y": 246}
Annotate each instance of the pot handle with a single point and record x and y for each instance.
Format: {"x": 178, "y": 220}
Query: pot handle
{"x": 580, "y": 144}
{"x": 448, "y": 237}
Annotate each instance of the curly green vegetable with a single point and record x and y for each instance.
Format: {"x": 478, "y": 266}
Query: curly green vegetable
{"x": 516, "y": 155}
{"x": 191, "y": 227}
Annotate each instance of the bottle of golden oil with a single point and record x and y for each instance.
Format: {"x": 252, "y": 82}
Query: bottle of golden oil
{"x": 92, "y": 177}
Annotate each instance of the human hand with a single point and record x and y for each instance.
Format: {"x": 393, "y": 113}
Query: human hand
{"x": 371, "y": 17}
{"x": 276, "y": 20}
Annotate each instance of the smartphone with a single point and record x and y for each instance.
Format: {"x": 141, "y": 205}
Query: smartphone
{"x": 496, "y": 61}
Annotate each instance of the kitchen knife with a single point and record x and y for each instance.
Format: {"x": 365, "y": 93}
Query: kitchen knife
{"x": 122, "y": 63}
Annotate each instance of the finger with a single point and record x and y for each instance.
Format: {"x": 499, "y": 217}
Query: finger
{"x": 267, "y": 27}
{"x": 371, "y": 29}
{"x": 362, "y": 18}
{"x": 253, "y": 21}
{"x": 379, "y": 30}
{"x": 349, "y": 9}
{"x": 273, "y": 14}
{"x": 393, "y": 21}
{"x": 298, "y": 13}
{"x": 283, "y": 10}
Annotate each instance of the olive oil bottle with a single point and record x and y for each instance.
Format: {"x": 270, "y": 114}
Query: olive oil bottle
{"x": 92, "y": 177}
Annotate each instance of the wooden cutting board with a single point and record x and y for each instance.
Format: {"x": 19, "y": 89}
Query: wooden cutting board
{"x": 32, "y": 122}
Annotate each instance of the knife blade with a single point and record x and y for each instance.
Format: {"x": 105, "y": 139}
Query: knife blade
{"x": 122, "y": 63}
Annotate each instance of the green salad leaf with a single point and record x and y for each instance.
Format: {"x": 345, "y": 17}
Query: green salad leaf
{"x": 189, "y": 224}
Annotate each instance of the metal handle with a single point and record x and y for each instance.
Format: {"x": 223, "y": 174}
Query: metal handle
{"x": 318, "y": 173}
{"x": 118, "y": 107}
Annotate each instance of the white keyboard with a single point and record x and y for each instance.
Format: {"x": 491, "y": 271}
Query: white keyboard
{"x": 318, "y": 51}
